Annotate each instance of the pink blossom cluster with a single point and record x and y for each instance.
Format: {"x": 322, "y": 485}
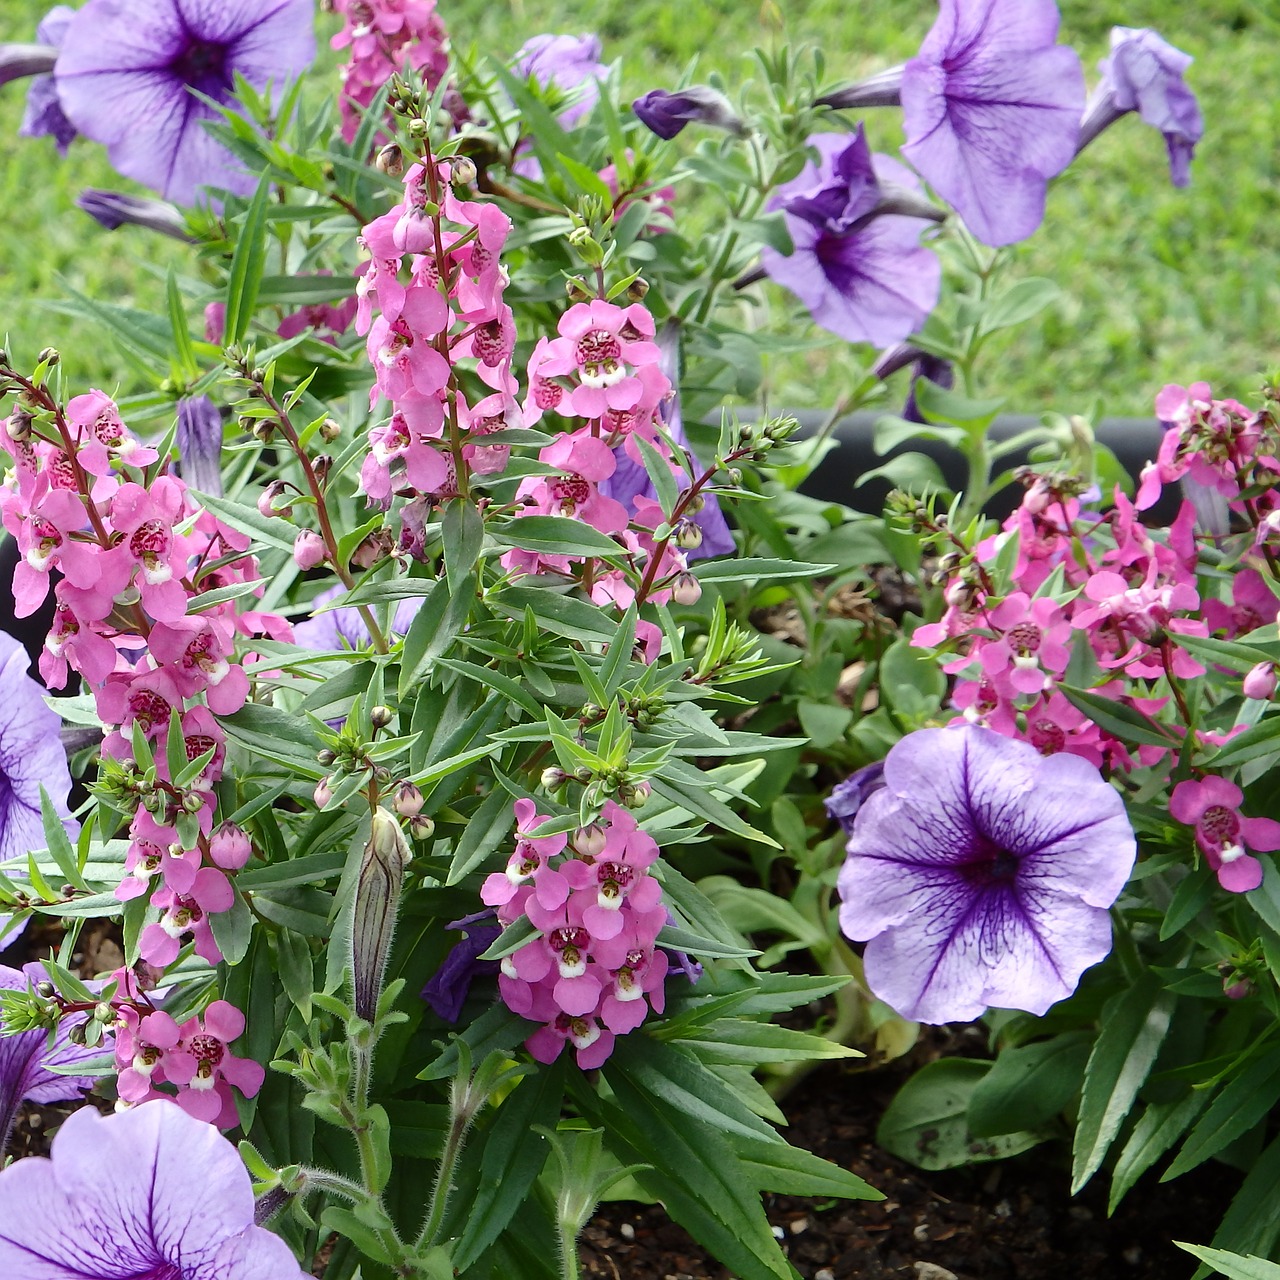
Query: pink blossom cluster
{"x": 132, "y": 549}
{"x": 386, "y": 36}
{"x": 152, "y": 1049}
{"x": 437, "y": 286}
{"x": 594, "y": 971}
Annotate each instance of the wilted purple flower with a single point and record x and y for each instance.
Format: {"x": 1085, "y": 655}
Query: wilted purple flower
{"x": 344, "y": 628}
{"x": 127, "y": 68}
{"x": 981, "y": 874}
{"x": 200, "y": 444}
{"x": 43, "y": 114}
{"x": 114, "y": 209}
{"x": 1144, "y": 74}
{"x": 849, "y": 796}
{"x": 147, "y": 1194}
{"x": 991, "y": 108}
{"x": 446, "y": 992}
{"x": 570, "y": 63}
{"x": 27, "y": 1061}
{"x": 31, "y": 755}
{"x": 873, "y": 282}
{"x": 630, "y": 480}
{"x": 667, "y": 113}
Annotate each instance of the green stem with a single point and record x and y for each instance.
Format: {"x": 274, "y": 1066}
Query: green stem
{"x": 568, "y": 1235}
{"x": 1126, "y": 948}
{"x": 444, "y": 1183}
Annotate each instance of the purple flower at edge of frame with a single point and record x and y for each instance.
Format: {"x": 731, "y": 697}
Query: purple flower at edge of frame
{"x": 991, "y": 109}
{"x": 446, "y": 991}
{"x": 666, "y": 114}
{"x": 43, "y": 115}
{"x": 127, "y": 68}
{"x": 1144, "y": 74}
{"x": 875, "y": 283}
{"x": 31, "y": 755}
{"x": 27, "y": 1059}
{"x": 849, "y": 796}
{"x": 150, "y": 1191}
{"x": 570, "y": 63}
{"x": 344, "y": 628}
{"x": 981, "y": 875}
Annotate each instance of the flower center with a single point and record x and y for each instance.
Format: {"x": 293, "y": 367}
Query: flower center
{"x": 1024, "y": 639}
{"x": 1047, "y": 738}
{"x": 1220, "y": 825}
{"x": 570, "y": 493}
{"x": 207, "y": 1050}
{"x": 202, "y": 65}
{"x": 989, "y": 866}
{"x": 149, "y": 709}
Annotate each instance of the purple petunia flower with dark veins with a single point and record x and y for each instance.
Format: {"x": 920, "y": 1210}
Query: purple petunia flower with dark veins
{"x": 858, "y": 264}
{"x": 147, "y": 1194}
{"x": 991, "y": 108}
{"x": 981, "y": 875}
{"x": 127, "y": 68}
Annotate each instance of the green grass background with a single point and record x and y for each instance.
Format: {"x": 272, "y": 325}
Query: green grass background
{"x": 1160, "y": 284}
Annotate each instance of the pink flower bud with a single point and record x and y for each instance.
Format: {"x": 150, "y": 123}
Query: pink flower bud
{"x": 686, "y": 589}
{"x": 408, "y": 801}
{"x": 589, "y": 841}
{"x": 1260, "y": 682}
{"x": 229, "y": 847}
{"x": 323, "y": 793}
{"x": 267, "y": 501}
{"x": 308, "y": 549}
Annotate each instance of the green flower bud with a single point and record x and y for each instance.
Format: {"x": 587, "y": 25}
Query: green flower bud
{"x": 377, "y": 903}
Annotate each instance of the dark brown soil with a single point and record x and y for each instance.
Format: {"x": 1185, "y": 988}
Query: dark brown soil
{"x": 1001, "y": 1221}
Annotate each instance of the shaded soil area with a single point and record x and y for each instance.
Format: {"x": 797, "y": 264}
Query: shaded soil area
{"x": 1000, "y": 1221}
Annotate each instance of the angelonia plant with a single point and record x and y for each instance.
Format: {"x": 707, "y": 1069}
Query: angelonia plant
{"x": 481, "y": 739}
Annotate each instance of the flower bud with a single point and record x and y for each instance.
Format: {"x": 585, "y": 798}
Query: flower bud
{"x": 229, "y": 847}
{"x": 421, "y": 827}
{"x": 1260, "y": 682}
{"x": 103, "y": 1012}
{"x": 76, "y": 1034}
{"x": 638, "y": 289}
{"x": 322, "y": 464}
{"x": 408, "y": 801}
{"x": 635, "y": 795}
{"x": 390, "y": 160}
{"x": 49, "y": 356}
{"x": 462, "y": 171}
{"x": 192, "y": 802}
{"x": 686, "y": 589}
{"x": 323, "y": 793}
{"x": 377, "y": 902}
{"x": 418, "y": 128}
{"x": 308, "y": 549}
{"x": 381, "y": 716}
{"x": 18, "y": 424}
{"x": 688, "y": 535}
{"x": 589, "y": 841}
{"x": 267, "y": 501}
{"x": 46, "y": 989}
{"x": 583, "y": 774}
{"x": 325, "y": 757}
{"x": 330, "y": 430}
{"x": 553, "y": 776}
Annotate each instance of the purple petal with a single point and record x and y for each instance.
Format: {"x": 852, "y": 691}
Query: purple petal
{"x": 991, "y": 108}
{"x": 200, "y": 444}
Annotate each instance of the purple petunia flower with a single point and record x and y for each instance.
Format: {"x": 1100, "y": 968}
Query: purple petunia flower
{"x": 925, "y": 365}
{"x": 991, "y": 108}
{"x": 871, "y": 281}
{"x": 570, "y": 63}
{"x": 127, "y": 69}
{"x": 147, "y": 1194}
{"x": 848, "y": 797}
{"x": 44, "y": 115}
{"x": 981, "y": 874}
{"x": 344, "y": 628}
{"x": 1144, "y": 74}
{"x": 200, "y": 444}
{"x": 31, "y": 754}
{"x": 114, "y": 209}
{"x": 666, "y": 114}
{"x": 27, "y": 1060}
{"x": 446, "y": 991}
{"x": 630, "y": 480}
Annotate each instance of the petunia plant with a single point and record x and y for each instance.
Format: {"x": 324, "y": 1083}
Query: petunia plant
{"x": 482, "y": 740}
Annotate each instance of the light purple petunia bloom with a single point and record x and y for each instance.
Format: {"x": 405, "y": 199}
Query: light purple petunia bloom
{"x": 127, "y": 68}
{"x": 991, "y": 108}
{"x": 570, "y": 63}
{"x": 666, "y": 113}
{"x": 26, "y": 1058}
{"x": 862, "y": 274}
{"x": 44, "y": 115}
{"x": 147, "y": 1194}
{"x": 344, "y": 628}
{"x": 1144, "y": 74}
{"x": 31, "y": 754}
{"x": 981, "y": 875}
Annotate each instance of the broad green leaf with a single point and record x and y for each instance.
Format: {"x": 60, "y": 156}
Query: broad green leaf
{"x": 756, "y": 569}
{"x": 941, "y": 405}
{"x": 791, "y": 1171}
{"x": 556, "y": 536}
{"x": 233, "y": 930}
{"x": 1017, "y": 304}
{"x": 434, "y": 628}
{"x": 1262, "y": 740}
{"x": 269, "y": 529}
{"x": 462, "y": 533}
{"x": 926, "y": 1122}
{"x": 1134, "y": 1025}
{"x": 1028, "y": 1087}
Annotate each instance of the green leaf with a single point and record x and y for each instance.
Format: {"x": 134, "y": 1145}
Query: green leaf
{"x": 938, "y": 404}
{"x": 247, "y": 263}
{"x": 756, "y": 569}
{"x": 434, "y": 628}
{"x": 1019, "y": 303}
{"x": 926, "y": 1123}
{"x": 890, "y": 432}
{"x": 1252, "y": 1223}
{"x": 488, "y": 678}
{"x": 59, "y": 846}
{"x": 1261, "y": 740}
{"x": 697, "y": 944}
{"x": 912, "y": 678}
{"x": 277, "y": 735}
{"x": 297, "y": 969}
{"x": 734, "y": 1041}
{"x": 513, "y": 1156}
{"x": 698, "y": 801}
{"x": 1197, "y": 889}
{"x": 1232, "y": 1265}
{"x": 791, "y": 1171}
{"x": 269, "y": 529}
{"x": 1029, "y": 1087}
{"x": 184, "y": 363}
{"x": 233, "y": 930}
{"x": 486, "y": 829}
{"x": 824, "y": 723}
{"x": 462, "y": 533}
{"x": 1243, "y": 1103}
{"x": 659, "y": 473}
{"x": 1134, "y": 1025}
{"x": 1123, "y": 722}
{"x": 556, "y": 536}
{"x": 562, "y": 615}
{"x": 1160, "y": 1127}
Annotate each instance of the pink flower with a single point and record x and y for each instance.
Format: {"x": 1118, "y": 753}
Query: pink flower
{"x": 203, "y": 1067}
{"x": 1212, "y": 806}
